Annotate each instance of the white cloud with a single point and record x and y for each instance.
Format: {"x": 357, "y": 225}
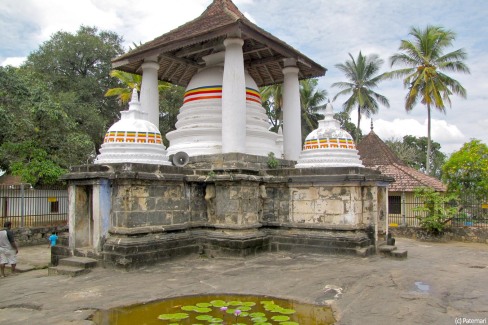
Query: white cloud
{"x": 13, "y": 61}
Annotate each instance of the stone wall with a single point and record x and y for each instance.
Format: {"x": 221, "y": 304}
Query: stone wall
{"x": 463, "y": 234}
{"x": 36, "y": 236}
{"x": 160, "y": 212}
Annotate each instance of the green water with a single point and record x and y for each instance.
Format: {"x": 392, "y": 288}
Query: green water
{"x": 207, "y": 310}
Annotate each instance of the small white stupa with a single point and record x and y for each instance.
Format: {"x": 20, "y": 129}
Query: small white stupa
{"x": 329, "y": 145}
{"x": 133, "y": 139}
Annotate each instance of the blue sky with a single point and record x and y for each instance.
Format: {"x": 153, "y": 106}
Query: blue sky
{"x": 324, "y": 30}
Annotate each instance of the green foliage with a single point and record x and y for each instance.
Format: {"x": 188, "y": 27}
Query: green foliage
{"x": 170, "y": 102}
{"x": 466, "y": 171}
{"x": 52, "y": 110}
{"x": 346, "y": 124}
{"x": 31, "y": 163}
{"x": 437, "y": 208}
{"x": 273, "y": 163}
{"x": 411, "y": 150}
{"x": 361, "y": 80}
{"x": 310, "y": 99}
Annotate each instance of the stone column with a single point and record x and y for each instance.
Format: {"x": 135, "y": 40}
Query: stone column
{"x": 292, "y": 130}
{"x": 149, "y": 91}
{"x": 234, "y": 98}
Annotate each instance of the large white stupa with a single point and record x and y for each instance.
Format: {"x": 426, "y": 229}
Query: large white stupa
{"x": 200, "y": 122}
{"x": 329, "y": 145}
{"x": 133, "y": 139}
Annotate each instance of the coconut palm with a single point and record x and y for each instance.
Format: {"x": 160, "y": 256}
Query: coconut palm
{"x": 310, "y": 100}
{"x": 130, "y": 81}
{"x": 362, "y": 79}
{"x": 424, "y": 59}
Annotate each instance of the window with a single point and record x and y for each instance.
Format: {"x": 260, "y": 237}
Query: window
{"x": 54, "y": 207}
{"x": 395, "y": 204}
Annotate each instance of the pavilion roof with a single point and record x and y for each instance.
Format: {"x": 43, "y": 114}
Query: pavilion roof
{"x": 180, "y": 51}
{"x": 375, "y": 154}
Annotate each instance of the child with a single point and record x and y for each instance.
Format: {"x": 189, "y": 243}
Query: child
{"x": 52, "y": 239}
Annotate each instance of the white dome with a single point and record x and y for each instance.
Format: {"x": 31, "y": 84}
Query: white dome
{"x": 329, "y": 146}
{"x": 133, "y": 139}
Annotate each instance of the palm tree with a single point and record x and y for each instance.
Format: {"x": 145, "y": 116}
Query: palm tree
{"x": 425, "y": 59}
{"x": 310, "y": 100}
{"x": 360, "y": 73}
{"x": 130, "y": 81}
{"x": 272, "y": 99}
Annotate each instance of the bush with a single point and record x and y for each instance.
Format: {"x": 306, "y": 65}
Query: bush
{"x": 437, "y": 207}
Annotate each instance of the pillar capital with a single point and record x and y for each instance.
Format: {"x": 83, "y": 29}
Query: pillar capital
{"x": 289, "y": 70}
{"x": 233, "y": 41}
{"x": 150, "y": 65}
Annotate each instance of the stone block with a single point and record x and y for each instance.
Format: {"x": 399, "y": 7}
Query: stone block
{"x": 303, "y": 207}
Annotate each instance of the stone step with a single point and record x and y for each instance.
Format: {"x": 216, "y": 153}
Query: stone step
{"x": 67, "y": 270}
{"x": 365, "y": 251}
{"x": 400, "y": 254}
{"x": 79, "y": 262}
{"x": 387, "y": 249}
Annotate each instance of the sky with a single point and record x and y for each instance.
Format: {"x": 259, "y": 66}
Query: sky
{"x": 324, "y": 30}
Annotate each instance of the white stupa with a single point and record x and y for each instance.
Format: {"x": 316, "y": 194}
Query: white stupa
{"x": 133, "y": 139}
{"x": 199, "y": 127}
{"x": 329, "y": 145}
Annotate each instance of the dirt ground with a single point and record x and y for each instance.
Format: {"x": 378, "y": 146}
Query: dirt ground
{"x": 439, "y": 283}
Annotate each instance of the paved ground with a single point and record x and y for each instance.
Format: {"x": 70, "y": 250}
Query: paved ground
{"x": 437, "y": 284}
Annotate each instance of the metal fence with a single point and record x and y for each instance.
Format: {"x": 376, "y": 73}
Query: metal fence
{"x": 26, "y": 206}
{"x": 471, "y": 212}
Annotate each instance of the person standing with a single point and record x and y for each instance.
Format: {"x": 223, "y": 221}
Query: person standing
{"x": 52, "y": 239}
{"x": 8, "y": 248}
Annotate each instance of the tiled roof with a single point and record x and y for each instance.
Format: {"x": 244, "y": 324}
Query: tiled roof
{"x": 180, "y": 51}
{"x": 375, "y": 154}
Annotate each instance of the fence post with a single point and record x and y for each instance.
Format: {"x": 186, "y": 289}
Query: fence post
{"x": 22, "y": 201}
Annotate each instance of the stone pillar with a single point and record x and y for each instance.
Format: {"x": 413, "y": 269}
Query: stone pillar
{"x": 234, "y": 98}
{"x": 292, "y": 129}
{"x": 149, "y": 91}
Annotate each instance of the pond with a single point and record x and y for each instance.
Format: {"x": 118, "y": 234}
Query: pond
{"x": 217, "y": 309}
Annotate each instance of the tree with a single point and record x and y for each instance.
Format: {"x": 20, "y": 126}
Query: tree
{"x": 170, "y": 102}
{"x": 75, "y": 69}
{"x": 437, "y": 208}
{"x": 466, "y": 171}
{"x": 310, "y": 100}
{"x": 403, "y": 151}
{"x": 39, "y": 140}
{"x": 411, "y": 150}
{"x": 362, "y": 79}
{"x": 272, "y": 99}
{"x": 129, "y": 81}
{"x": 425, "y": 61}
{"x": 346, "y": 124}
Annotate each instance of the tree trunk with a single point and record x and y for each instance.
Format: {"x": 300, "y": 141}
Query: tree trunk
{"x": 427, "y": 162}
{"x": 359, "y": 121}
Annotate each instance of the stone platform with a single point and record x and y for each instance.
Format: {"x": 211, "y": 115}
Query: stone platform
{"x": 231, "y": 205}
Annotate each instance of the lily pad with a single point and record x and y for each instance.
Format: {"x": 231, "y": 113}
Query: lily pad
{"x": 189, "y": 308}
{"x": 203, "y": 304}
{"x": 287, "y": 311}
{"x": 257, "y": 314}
{"x": 204, "y": 317}
{"x": 280, "y": 318}
{"x": 202, "y": 310}
{"x": 219, "y": 303}
{"x": 289, "y": 323}
{"x": 235, "y": 303}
